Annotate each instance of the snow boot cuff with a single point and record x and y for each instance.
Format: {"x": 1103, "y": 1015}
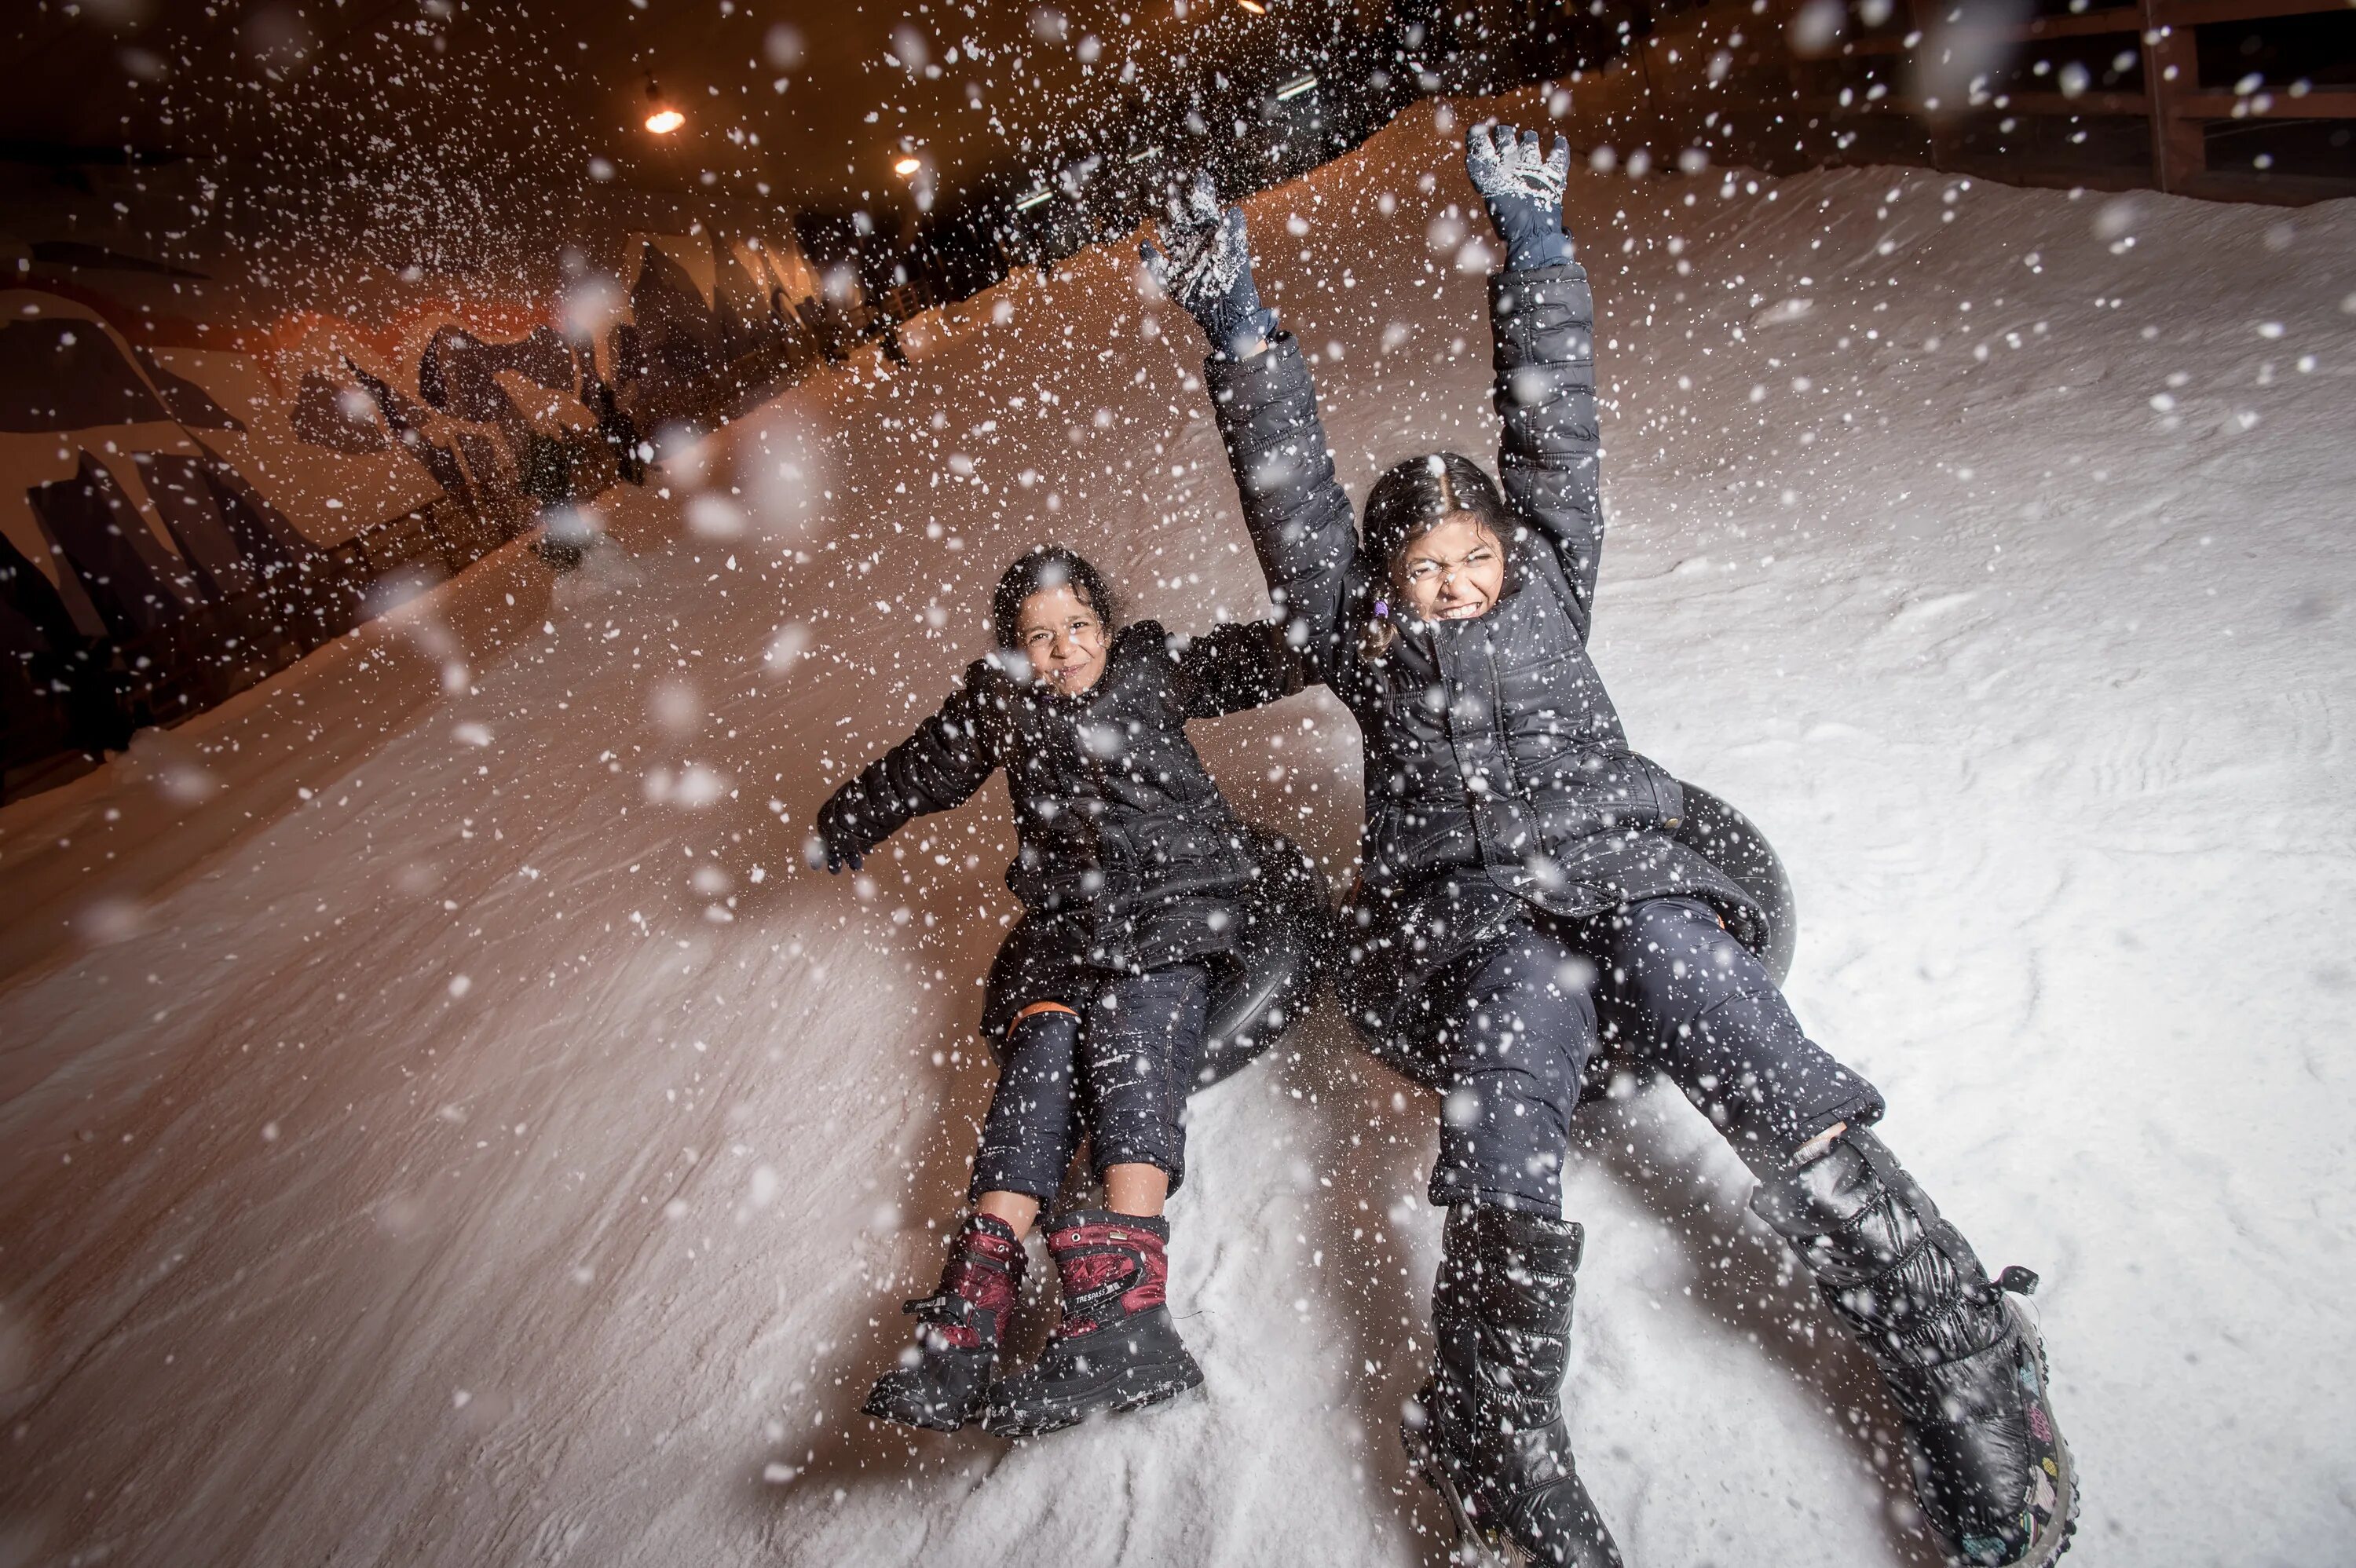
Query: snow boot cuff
{"x": 968, "y": 1312}
{"x": 1884, "y": 1259}
{"x": 1112, "y": 1267}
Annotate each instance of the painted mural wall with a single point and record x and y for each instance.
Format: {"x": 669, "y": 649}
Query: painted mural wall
{"x": 199, "y": 483}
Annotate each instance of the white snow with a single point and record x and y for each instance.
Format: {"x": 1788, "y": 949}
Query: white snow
{"x": 462, "y": 1131}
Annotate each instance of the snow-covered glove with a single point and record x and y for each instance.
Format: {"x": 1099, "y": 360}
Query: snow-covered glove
{"x": 1205, "y": 263}
{"x": 1522, "y": 184}
{"x": 839, "y": 842}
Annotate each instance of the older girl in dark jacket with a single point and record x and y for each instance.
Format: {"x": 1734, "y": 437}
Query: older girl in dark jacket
{"x": 1131, "y": 865}
{"x": 1522, "y": 890}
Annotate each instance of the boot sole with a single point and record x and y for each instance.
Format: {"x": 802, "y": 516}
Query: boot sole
{"x": 2047, "y": 1548}
{"x": 1133, "y": 1387}
{"x": 946, "y": 1422}
{"x": 1475, "y": 1547}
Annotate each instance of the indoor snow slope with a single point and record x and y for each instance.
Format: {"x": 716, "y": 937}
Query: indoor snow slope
{"x": 462, "y": 1131}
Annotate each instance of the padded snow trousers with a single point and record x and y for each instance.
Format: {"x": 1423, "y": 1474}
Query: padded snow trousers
{"x": 1680, "y": 994}
{"x": 1114, "y": 1070}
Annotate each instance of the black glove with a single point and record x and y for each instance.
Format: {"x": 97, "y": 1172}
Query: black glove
{"x": 839, "y": 841}
{"x": 1522, "y": 185}
{"x": 1205, "y": 263}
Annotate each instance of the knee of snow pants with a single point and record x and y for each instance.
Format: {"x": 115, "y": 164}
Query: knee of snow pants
{"x": 1138, "y": 1055}
{"x": 1700, "y": 1005}
{"x": 1030, "y": 1134}
{"x": 1516, "y": 1047}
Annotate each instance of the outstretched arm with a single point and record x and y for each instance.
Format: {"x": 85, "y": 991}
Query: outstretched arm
{"x": 1266, "y": 407}
{"x": 937, "y": 768}
{"x": 1241, "y": 665}
{"x": 1543, "y": 319}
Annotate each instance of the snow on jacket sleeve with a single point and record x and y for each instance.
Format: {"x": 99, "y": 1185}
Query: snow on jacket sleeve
{"x": 1245, "y": 664}
{"x": 1300, "y": 519}
{"x": 1544, "y": 323}
{"x": 940, "y": 767}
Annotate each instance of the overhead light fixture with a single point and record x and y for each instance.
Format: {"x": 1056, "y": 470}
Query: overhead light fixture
{"x": 1254, "y": 6}
{"x": 1142, "y": 153}
{"x": 1295, "y": 88}
{"x": 1036, "y": 198}
{"x": 661, "y": 118}
{"x": 907, "y": 165}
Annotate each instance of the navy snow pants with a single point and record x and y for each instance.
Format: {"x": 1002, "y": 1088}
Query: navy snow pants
{"x": 1117, "y": 1073}
{"x": 1683, "y": 995}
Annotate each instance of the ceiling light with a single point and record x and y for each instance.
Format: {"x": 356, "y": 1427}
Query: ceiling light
{"x": 1035, "y": 198}
{"x": 907, "y": 165}
{"x": 662, "y": 119}
{"x": 1295, "y": 88}
{"x": 1254, "y": 6}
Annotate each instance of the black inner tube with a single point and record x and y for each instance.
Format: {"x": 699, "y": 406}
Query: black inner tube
{"x": 1731, "y": 842}
{"x": 1258, "y": 993}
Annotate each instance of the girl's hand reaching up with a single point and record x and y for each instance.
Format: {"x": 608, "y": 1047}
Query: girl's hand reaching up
{"x": 1205, "y": 263}
{"x": 1523, "y": 184}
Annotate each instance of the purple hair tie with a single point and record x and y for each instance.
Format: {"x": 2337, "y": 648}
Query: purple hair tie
{"x": 1382, "y": 609}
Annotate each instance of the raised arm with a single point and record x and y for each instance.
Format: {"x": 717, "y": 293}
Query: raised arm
{"x": 1296, "y": 511}
{"x": 1543, "y": 320}
{"x": 937, "y": 768}
{"x": 1241, "y": 665}
{"x": 1543, "y": 325}
{"x": 1298, "y": 516}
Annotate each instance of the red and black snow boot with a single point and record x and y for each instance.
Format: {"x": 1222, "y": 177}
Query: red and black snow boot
{"x": 1116, "y": 1347}
{"x": 1963, "y": 1360}
{"x": 943, "y": 1380}
{"x": 1487, "y": 1431}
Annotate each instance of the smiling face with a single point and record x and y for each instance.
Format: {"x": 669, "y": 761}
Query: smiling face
{"x": 1454, "y": 571}
{"x": 1063, "y": 638}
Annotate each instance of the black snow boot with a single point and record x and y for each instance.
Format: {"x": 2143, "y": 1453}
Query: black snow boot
{"x": 1116, "y": 1347}
{"x": 943, "y": 1380}
{"x": 1964, "y": 1361}
{"x": 1487, "y": 1430}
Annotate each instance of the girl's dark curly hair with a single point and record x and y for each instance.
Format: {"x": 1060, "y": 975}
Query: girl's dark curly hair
{"x": 1042, "y": 569}
{"x": 1409, "y": 501}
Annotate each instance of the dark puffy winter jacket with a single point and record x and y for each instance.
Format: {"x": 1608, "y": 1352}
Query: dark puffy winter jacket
{"x": 1498, "y": 779}
{"x": 1114, "y": 812}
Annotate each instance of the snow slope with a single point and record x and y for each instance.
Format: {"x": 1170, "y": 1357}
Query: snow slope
{"x": 463, "y": 1134}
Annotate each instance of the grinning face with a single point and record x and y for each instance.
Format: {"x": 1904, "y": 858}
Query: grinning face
{"x": 1063, "y": 638}
{"x": 1453, "y": 573}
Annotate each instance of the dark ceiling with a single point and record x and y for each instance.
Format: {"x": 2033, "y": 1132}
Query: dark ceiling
{"x": 473, "y": 111}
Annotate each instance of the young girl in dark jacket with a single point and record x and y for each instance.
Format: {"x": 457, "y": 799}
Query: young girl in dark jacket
{"x": 1130, "y": 865}
{"x": 1522, "y": 890}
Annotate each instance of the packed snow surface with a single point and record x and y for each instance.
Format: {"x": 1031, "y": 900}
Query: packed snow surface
{"x": 460, "y": 1131}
